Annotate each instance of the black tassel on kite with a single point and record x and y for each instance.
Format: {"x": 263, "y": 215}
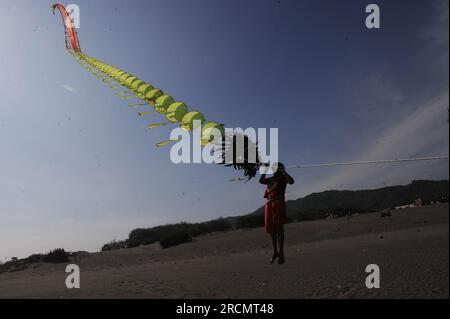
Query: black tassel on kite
{"x": 244, "y": 158}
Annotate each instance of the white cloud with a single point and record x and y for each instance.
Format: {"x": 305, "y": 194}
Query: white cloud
{"x": 69, "y": 88}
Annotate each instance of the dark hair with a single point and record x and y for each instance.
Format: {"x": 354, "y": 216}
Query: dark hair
{"x": 280, "y": 165}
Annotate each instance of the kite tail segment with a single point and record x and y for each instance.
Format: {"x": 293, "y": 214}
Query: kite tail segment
{"x": 70, "y": 33}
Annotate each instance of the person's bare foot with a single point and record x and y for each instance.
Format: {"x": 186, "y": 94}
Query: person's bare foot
{"x": 274, "y": 257}
{"x": 281, "y": 259}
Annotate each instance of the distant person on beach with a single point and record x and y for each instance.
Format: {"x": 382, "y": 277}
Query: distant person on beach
{"x": 275, "y": 209}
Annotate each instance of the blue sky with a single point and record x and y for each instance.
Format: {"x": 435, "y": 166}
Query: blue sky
{"x": 78, "y": 168}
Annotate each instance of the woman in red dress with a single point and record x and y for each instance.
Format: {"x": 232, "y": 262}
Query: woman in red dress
{"x": 275, "y": 209}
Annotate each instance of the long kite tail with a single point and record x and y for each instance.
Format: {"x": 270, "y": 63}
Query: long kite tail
{"x": 175, "y": 112}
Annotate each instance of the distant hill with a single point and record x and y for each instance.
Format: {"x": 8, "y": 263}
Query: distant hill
{"x": 317, "y": 205}
{"x": 312, "y": 207}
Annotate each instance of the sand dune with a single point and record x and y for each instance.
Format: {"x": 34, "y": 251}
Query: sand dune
{"x": 325, "y": 259}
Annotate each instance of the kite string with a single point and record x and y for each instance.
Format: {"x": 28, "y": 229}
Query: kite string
{"x": 389, "y": 161}
{"x": 396, "y": 160}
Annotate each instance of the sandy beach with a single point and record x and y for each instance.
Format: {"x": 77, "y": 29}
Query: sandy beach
{"x": 324, "y": 259}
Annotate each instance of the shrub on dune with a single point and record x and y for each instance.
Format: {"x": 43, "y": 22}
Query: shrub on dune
{"x": 174, "y": 239}
{"x": 35, "y": 258}
{"x": 56, "y": 256}
{"x": 115, "y": 245}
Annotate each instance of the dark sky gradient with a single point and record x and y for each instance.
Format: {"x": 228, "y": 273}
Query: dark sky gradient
{"x": 78, "y": 168}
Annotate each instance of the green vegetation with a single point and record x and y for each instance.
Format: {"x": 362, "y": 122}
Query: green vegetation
{"x": 115, "y": 245}
{"x": 175, "y": 239}
{"x": 56, "y": 256}
{"x": 148, "y": 236}
{"x": 36, "y": 258}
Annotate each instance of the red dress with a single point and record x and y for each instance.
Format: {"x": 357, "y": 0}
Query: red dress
{"x": 275, "y": 208}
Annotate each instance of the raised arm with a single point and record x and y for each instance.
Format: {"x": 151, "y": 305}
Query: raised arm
{"x": 263, "y": 180}
{"x": 289, "y": 179}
